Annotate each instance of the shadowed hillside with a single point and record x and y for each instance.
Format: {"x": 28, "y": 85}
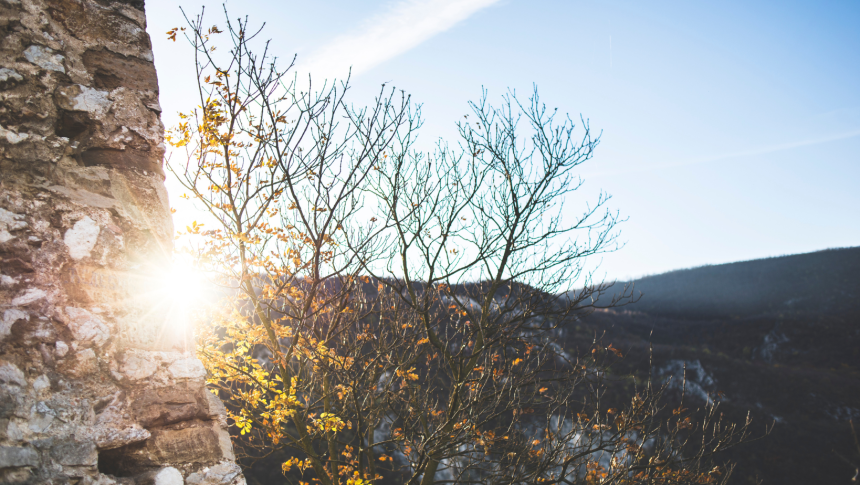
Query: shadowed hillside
{"x": 780, "y": 337}
{"x": 819, "y": 283}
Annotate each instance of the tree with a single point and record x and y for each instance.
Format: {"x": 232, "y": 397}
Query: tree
{"x": 852, "y": 463}
{"x": 395, "y": 313}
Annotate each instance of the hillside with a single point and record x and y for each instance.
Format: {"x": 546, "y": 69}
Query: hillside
{"x": 779, "y": 336}
{"x": 819, "y": 283}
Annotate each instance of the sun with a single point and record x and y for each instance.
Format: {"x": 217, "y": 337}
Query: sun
{"x": 185, "y": 287}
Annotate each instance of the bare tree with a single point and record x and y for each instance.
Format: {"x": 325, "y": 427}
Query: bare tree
{"x": 396, "y": 313}
{"x": 486, "y": 248}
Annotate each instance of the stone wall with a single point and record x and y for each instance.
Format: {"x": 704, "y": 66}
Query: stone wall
{"x": 97, "y": 381}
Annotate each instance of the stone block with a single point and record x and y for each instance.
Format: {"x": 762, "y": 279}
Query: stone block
{"x": 75, "y": 453}
{"x": 110, "y": 437}
{"x": 190, "y": 445}
{"x": 202, "y": 443}
{"x": 132, "y": 158}
{"x": 139, "y": 364}
{"x": 14, "y": 456}
{"x": 9, "y": 400}
{"x": 41, "y": 417}
{"x": 111, "y": 70}
{"x": 160, "y": 407}
{"x": 94, "y": 23}
{"x": 190, "y": 368}
{"x": 9, "y": 221}
{"x": 214, "y": 408}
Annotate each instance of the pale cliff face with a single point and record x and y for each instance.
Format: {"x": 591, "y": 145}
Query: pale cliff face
{"x": 98, "y": 383}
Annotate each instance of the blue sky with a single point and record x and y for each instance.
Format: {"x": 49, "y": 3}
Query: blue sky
{"x": 731, "y": 130}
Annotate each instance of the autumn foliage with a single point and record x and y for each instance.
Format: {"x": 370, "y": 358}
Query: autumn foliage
{"x": 393, "y": 314}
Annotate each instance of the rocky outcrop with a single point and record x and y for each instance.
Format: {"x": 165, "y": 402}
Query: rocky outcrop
{"x": 98, "y": 383}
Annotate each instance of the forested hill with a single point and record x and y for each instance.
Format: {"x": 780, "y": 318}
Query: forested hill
{"x": 780, "y": 337}
{"x": 820, "y": 283}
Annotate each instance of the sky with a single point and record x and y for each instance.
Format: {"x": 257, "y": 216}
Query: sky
{"x": 730, "y": 130}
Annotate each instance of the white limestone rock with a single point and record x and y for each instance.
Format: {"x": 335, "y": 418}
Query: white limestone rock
{"x": 190, "y": 368}
{"x": 7, "y": 74}
{"x": 224, "y": 473}
{"x": 11, "y": 316}
{"x": 11, "y": 138}
{"x": 138, "y": 364}
{"x": 9, "y": 221}
{"x": 61, "y": 349}
{"x": 87, "y": 327}
{"x": 82, "y": 98}
{"x": 11, "y": 374}
{"x": 41, "y": 383}
{"x": 81, "y": 239}
{"x": 45, "y": 58}
{"x": 16, "y": 430}
{"x": 165, "y": 476}
{"x": 29, "y": 296}
{"x": 41, "y": 417}
{"x": 106, "y": 480}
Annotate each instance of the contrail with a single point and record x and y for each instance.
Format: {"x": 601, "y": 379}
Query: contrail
{"x": 402, "y": 27}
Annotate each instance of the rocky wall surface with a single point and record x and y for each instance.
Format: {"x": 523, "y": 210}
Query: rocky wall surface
{"x": 97, "y": 380}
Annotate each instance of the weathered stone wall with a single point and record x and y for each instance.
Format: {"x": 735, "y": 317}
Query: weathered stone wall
{"x": 97, "y": 384}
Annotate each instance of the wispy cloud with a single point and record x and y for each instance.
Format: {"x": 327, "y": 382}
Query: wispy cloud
{"x": 739, "y": 154}
{"x": 400, "y": 28}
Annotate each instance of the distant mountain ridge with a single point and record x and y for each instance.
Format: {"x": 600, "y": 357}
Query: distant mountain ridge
{"x": 822, "y": 282}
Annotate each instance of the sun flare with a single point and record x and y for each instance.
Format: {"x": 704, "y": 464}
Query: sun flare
{"x": 184, "y": 286}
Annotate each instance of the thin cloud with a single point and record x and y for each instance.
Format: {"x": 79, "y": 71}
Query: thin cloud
{"x": 746, "y": 153}
{"x": 403, "y": 26}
